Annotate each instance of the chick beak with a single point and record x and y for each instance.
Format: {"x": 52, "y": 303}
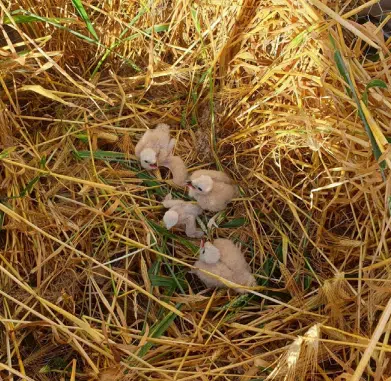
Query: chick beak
{"x": 189, "y": 184}
{"x": 202, "y": 244}
{"x": 153, "y": 166}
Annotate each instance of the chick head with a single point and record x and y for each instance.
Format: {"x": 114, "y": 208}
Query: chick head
{"x": 170, "y": 219}
{"x": 202, "y": 184}
{"x": 209, "y": 253}
{"x": 148, "y": 158}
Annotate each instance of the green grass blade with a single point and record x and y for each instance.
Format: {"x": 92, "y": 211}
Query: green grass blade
{"x": 115, "y": 44}
{"x": 5, "y": 153}
{"x": 299, "y": 39}
{"x": 102, "y": 155}
{"x": 147, "y": 32}
{"x": 30, "y": 186}
{"x": 374, "y": 83}
{"x": 165, "y": 233}
{"x": 194, "y": 16}
{"x": 55, "y": 23}
{"x": 25, "y": 19}
{"x": 159, "y": 329}
{"x": 351, "y": 91}
{"x": 235, "y": 223}
{"x": 83, "y": 14}
{"x": 163, "y": 281}
{"x": 77, "y": 34}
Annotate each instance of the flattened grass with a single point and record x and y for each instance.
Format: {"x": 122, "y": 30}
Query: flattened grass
{"x": 280, "y": 94}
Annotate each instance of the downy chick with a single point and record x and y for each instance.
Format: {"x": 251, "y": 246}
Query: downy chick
{"x": 155, "y": 147}
{"x": 218, "y": 268}
{"x": 224, "y": 259}
{"x": 182, "y": 214}
{"x": 178, "y": 169}
{"x": 213, "y": 190}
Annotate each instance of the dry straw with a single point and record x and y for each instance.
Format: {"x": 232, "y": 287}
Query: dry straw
{"x": 291, "y": 97}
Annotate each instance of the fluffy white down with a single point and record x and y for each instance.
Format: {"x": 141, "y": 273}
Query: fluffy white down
{"x": 170, "y": 219}
{"x": 204, "y": 182}
{"x": 147, "y": 157}
{"x": 211, "y": 254}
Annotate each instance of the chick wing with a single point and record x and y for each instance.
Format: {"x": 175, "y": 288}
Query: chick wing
{"x": 214, "y": 175}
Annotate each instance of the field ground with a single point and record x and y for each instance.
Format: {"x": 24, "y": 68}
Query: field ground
{"x": 290, "y": 97}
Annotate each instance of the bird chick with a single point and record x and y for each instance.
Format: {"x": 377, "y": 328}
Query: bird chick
{"x": 218, "y": 268}
{"x": 155, "y": 146}
{"x": 229, "y": 253}
{"x": 226, "y": 260}
{"x": 225, "y": 251}
{"x": 213, "y": 190}
{"x": 182, "y": 214}
{"x": 178, "y": 169}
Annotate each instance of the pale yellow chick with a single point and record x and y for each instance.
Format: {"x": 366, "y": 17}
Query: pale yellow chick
{"x": 155, "y": 147}
{"x": 182, "y": 214}
{"x": 226, "y": 260}
{"x": 213, "y": 190}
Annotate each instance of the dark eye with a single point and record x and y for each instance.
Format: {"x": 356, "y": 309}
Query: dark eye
{"x": 146, "y": 161}
{"x": 200, "y": 189}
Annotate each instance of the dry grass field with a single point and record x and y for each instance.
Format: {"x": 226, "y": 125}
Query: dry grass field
{"x": 290, "y": 97}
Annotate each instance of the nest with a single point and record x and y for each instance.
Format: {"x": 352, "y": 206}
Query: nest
{"x": 289, "y": 97}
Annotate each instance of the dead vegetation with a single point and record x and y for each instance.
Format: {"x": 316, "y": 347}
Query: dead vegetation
{"x": 286, "y": 97}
